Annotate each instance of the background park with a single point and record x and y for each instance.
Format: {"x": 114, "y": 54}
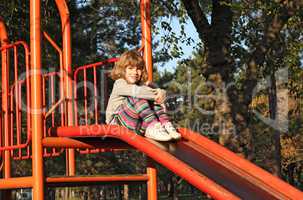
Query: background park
{"x": 232, "y": 70}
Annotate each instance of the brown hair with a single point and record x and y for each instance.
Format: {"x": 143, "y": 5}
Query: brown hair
{"x": 129, "y": 58}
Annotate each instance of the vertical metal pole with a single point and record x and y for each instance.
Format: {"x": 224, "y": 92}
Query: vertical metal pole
{"x": 152, "y": 180}
{"x": 67, "y": 63}
{"x": 146, "y": 36}
{"x": 36, "y": 100}
{"x": 5, "y": 98}
{"x": 5, "y": 104}
{"x": 147, "y": 42}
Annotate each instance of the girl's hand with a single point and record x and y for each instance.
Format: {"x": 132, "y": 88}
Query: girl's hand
{"x": 147, "y": 83}
{"x": 150, "y": 84}
{"x": 161, "y": 96}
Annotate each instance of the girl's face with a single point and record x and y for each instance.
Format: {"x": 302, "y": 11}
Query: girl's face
{"x": 133, "y": 74}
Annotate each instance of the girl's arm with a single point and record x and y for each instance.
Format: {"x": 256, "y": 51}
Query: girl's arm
{"x": 161, "y": 93}
{"x": 161, "y": 96}
{"x": 122, "y": 88}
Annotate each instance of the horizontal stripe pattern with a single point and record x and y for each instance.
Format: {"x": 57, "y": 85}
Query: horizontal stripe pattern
{"x": 137, "y": 114}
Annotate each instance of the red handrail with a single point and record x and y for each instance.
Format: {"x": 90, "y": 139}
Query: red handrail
{"x": 17, "y": 88}
{"x": 57, "y": 48}
{"x": 85, "y": 68}
{"x": 18, "y": 94}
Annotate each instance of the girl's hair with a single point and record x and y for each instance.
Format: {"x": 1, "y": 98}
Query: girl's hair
{"x": 129, "y": 58}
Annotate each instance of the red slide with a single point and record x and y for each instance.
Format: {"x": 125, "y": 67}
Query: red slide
{"x": 203, "y": 163}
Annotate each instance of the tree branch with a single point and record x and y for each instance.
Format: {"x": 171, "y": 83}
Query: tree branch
{"x": 271, "y": 33}
{"x": 220, "y": 38}
{"x": 198, "y": 18}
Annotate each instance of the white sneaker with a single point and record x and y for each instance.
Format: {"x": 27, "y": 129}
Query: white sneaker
{"x": 157, "y": 132}
{"x": 172, "y": 131}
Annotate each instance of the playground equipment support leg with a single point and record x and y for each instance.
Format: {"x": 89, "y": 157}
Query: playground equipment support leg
{"x": 36, "y": 100}
{"x": 5, "y": 105}
{"x": 67, "y": 64}
{"x": 152, "y": 180}
{"x": 5, "y": 98}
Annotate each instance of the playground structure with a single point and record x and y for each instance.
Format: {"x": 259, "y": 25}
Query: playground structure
{"x": 206, "y": 165}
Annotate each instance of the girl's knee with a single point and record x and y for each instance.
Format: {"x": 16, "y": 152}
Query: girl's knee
{"x": 158, "y": 107}
{"x": 135, "y": 100}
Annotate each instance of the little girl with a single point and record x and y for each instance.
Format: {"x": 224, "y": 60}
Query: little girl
{"x": 135, "y": 105}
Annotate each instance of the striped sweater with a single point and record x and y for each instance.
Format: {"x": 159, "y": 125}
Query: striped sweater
{"x": 121, "y": 90}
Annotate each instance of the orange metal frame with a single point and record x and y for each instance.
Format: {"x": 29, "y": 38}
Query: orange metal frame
{"x": 72, "y": 135}
{"x": 5, "y": 99}
{"x": 35, "y": 83}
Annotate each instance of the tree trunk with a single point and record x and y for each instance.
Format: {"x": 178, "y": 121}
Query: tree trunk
{"x": 125, "y": 192}
{"x": 222, "y": 119}
{"x": 216, "y": 37}
{"x": 233, "y": 116}
{"x": 140, "y": 193}
{"x": 290, "y": 173}
{"x": 273, "y": 114}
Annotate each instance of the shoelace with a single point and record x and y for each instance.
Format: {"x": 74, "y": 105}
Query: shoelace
{"x": 160, "y": 127}
{"x": 170, "y": 128}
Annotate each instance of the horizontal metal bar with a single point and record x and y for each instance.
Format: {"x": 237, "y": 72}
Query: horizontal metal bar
{"x": 18, "y": 182}
{"x": 85, "y": 143}
{"x": 95, "y": 180}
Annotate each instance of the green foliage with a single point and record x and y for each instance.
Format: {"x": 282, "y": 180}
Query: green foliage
{"x": 102, "y": 29}
{"x": 266, "y": 34}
